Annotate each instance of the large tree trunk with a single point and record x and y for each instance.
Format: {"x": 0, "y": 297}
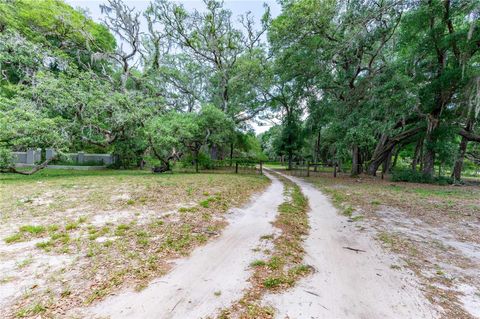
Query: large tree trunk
{"x": 417, "y": 154}
{"x": 357, "y": 166}
{"x": 458, "y": 167}
{"x": 395, "y": 160}
{"x": 387, "y": 162}
{"x": 377, "y": 158}
{"x": 385, "y": 146}
{"x": 433, "y": 123}
{"x": 290, "y": 160}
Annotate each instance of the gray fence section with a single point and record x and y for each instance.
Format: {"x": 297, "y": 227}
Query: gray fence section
{"x": 33, "y": 156}
{"x": 30, "y": 157}
{"x": 81, "y": 158}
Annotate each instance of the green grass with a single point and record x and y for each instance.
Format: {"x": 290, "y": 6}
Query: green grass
{"x": 348, "y": 211}
{"x": 258, "y": 263}
{"x": 273, "y": 282}
{"x": 32, "y": 229}
{"x": 121, "y": 230}
{"x": 17, "y": 237}
{"x": 357, "y": 218}
{"x": 64, "y": 174}
{"x": 46, "y": 245}
{"x": 187, "y": 209}
{"x": 71, "y": 226}
{"x": 32, "y": 310}
{"x": 275, "y": 262}
{"x": 300, "y": 270}
{"x": 53, "y": 228}
{"x": 386, "y": 238}
{"x": 24, "y": 263}
{"x": 25, "y": 232}
{"x": 206, "y": 203}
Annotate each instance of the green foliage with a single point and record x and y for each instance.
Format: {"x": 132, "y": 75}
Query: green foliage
{"x": 418, "y": 177}
{"x": 367, "y": 87}
{"x": 22, "y": 127}
{"x": 55, "y": 24}
{"x": 174, "y": 134}
{"x": 338, "y": 75}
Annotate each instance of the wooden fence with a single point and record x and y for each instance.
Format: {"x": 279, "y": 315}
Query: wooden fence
{"x": 237, "y": 166}
{"x": 306, "y": 169}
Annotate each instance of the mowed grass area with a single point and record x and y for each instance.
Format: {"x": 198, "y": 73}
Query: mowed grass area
{"x": 435, "y": 231}
{"x": 69, "y": 238}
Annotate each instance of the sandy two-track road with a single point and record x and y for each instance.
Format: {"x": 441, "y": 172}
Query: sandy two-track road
{"x": 345, "y": 284}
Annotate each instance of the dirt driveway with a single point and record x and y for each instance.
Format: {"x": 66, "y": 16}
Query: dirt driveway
{"x": 353, "y": 277}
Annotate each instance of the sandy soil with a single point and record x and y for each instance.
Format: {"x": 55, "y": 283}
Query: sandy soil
{"x": 451, "y": 262}
{"x": 72, "y": 239}
{"x": 211, "y": 278}
{"x": 348, "y": 284}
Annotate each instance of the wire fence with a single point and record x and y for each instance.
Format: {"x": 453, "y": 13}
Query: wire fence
{"x": 235, "y": 166}
{"x": 307, "y": 169}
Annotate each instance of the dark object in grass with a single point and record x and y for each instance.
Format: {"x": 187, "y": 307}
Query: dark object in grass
{"x": 160, "y": 169}
{"x": 355, "y": 249}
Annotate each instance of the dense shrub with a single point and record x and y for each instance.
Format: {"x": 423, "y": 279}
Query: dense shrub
{"x": 418, "y": 177}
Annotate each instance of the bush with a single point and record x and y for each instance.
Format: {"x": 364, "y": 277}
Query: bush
{"x": 412, "y": 176}
{"x": 204, "y": 161}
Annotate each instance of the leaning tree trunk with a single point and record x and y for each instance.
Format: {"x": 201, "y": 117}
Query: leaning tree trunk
{"x": 385, "y": 146}
{"x": 378, "y": 156}
{"x": 458, "y": 166}
{"x": 37, "y": 168}
{"x": 395, "y": 159}
{"x": 387, "y": 163}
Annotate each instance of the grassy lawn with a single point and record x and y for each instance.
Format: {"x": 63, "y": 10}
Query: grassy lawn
{"x": 434, "y": 229}
{"x": 69, "y": 238}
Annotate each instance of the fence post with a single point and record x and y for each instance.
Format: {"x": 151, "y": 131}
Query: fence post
{"x": 261, "y": 168}
{"x": 49, "y": 153}
{"x": 308, "y": 168}
{"x": 335, "y": 169}
{"x": 38, "y": 155}
{"x": 80, "y": 157}
{"x": 236, "y": 167}
{"x": 30, "y": 156}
